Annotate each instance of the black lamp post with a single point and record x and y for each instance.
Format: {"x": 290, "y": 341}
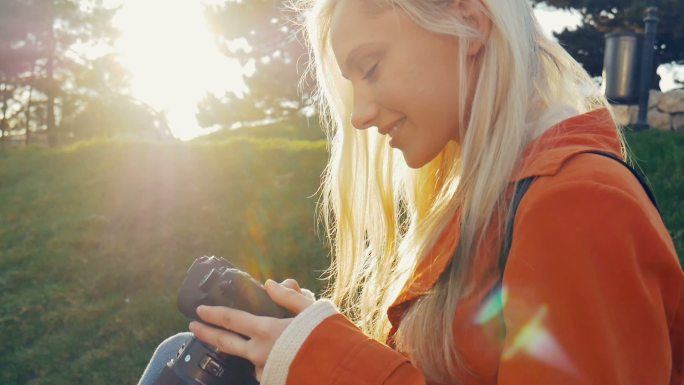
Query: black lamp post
{"x": 646, "y": 77}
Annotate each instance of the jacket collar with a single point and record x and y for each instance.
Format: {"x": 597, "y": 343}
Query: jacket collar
{"x": 544, "y": 156}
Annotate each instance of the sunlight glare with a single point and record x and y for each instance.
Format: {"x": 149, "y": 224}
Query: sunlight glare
{"x": 173, "y": 60}
{"x": 556, "y": 20}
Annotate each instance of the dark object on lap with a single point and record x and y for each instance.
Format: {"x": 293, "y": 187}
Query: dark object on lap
{"x": 216, "y": 282}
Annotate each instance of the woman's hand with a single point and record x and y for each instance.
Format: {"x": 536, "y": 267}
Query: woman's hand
{"x": 262, "y": 331}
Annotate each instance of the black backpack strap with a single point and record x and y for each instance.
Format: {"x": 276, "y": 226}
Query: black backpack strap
{"x": 524, "y": 184}
{"x": 497, "y": 293}
{"x": 520, "y": 190}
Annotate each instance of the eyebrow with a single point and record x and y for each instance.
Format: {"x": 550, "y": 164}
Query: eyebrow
{"x": 353, "y": 55}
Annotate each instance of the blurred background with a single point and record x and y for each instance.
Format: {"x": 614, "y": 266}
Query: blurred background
{"x": 137, "y": 135}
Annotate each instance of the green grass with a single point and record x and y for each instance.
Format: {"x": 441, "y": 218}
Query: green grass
{"x": 95, "y": 240}
{"x": 660, "y": 155}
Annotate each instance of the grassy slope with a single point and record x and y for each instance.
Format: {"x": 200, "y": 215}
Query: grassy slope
{"x": 94, "y": 240}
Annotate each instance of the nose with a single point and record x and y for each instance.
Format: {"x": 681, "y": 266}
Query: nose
{"x": 365, "y": 111}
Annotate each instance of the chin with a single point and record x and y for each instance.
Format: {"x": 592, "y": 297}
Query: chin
{"x": 417, "y": 159}
{"x": 415, "y": 162}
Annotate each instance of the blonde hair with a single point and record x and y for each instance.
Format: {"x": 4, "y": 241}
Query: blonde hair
{"x": 382, "y": 218}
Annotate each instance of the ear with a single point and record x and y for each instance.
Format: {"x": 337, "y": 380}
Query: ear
{"x": 476, "y": 14}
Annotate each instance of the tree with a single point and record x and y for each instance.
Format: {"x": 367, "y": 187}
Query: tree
{"x": 119, "y": 116}
{"x": 60, "y": 24}
{"x": 15, "y": 57}
{"x": 41, "y": 71}
{"x": 586, "y": 43}
{"x": 260, "y": 34}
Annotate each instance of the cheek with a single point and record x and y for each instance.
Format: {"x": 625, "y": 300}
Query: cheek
{"x": 436, "y": 107}
{"x": 434, "y": 86}
{"x": 394, "y": 94}
{"x": 417, "y": 80}
{"x": 443, "y": 101}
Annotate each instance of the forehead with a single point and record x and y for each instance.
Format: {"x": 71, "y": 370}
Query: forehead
{"x": 355, "y": 22}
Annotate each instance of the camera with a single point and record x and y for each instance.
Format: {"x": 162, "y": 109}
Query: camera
{"x": 216, "y": 282}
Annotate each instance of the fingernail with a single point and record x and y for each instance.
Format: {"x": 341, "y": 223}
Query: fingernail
{"x": 269, "y": 282}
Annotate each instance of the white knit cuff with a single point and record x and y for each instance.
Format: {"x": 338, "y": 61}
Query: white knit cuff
{"x": 287, "y": 345}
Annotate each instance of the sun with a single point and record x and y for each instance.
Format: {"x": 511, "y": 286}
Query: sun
{"x": 170, "y": 52}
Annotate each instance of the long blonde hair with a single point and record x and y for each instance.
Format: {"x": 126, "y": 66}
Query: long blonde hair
{"x": 382, "y": 217}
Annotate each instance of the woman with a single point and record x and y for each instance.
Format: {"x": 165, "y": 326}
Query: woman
{"x": 476, "y": 99}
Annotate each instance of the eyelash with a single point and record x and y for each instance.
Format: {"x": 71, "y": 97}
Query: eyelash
{"x": 370, "y": 72}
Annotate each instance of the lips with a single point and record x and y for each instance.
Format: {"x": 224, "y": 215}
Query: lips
{"x": 396, "y": 128}
{"x": 392, "y": 128}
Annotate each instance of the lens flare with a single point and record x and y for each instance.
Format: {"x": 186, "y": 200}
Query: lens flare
{"x": 536, "y": 341}
{"x": 533, "y": 339}
{"x": 492, "y": 306}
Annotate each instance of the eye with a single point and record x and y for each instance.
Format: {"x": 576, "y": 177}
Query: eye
{"x": 371, "y": 72}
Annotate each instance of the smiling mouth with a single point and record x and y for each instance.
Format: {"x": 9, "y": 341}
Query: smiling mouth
{"x": 385, "y": 130}
{"x": 394, "y": 128}
{"x": 394, "y": 131}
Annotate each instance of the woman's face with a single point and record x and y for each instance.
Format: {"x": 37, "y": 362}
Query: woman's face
{"x": 405, "y": 78}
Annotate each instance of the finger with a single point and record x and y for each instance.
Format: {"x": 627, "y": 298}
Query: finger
{"x": 287, "y": 298}
{"x": 292, "y": 284}
{"x": 230, "y": 319}
{"x": 223, "y": 340}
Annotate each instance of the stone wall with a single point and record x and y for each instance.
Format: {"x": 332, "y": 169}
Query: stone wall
{"x": 665, "y": 111}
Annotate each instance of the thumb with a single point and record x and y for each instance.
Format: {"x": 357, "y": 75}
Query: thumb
{"x": 286, "y": 297}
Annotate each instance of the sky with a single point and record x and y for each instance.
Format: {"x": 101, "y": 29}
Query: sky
{"x": 174, "y": 62}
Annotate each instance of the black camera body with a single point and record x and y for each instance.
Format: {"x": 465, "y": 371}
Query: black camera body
{"x": 216, "y": 282}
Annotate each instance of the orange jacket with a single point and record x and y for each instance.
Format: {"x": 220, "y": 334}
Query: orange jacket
{"x": 594, "y": 291}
